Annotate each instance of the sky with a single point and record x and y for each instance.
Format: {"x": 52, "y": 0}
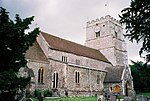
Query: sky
{"x": 67, "y": 18}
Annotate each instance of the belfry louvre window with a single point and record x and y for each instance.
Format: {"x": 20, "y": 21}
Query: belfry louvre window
{"x": 40, "y": 75}
{"x": 55, "y": 80}
{"x": 77, "y": 77}
{"x": 97, "y": 34}
{"x": 64, "y": 59}
{"x": 97, "y": 30}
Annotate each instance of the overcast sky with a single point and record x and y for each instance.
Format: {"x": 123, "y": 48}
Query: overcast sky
{"x": 67, "y": 18}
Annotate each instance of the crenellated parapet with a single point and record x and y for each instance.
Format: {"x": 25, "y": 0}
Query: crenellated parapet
{"x": 102, "y": 19}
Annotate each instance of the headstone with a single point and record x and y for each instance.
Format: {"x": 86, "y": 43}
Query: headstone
{"x": 127, "y": 98}
{"x": 55, "y": 94}
{"x": 148, "y": 99}
{"x": 112, "y": 98}
{"x": 142, "y": 98}
{"x": 138, "y": 98}
{"x": 100, "y": 98}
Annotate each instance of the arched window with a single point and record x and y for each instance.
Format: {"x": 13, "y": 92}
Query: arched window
{"x": 77, "y": 77}
{"x": 55, "y": 80}
{"x": 97, "y": 30}
{"x": 98, "y": 79}
{"x": 40, "y": 75}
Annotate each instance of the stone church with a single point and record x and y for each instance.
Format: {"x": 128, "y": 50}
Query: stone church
{"x": 69, "y": 68}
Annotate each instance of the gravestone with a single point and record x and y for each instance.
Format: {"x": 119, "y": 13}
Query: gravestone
{"x": 148, "y": 99}
{"x": 126, "y": 98}
{"x": 112, "y": 98}
{"x": 142, "y": 98}
{"x": 100, "y": 98}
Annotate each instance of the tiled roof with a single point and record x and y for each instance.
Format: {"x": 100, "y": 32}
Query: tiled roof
{"x": 114, "y": 74}
{"x": 36, "y": 53}
{"x": 74, "y": 48}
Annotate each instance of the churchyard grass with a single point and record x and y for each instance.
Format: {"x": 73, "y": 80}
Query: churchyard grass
{"x": 71, "y": 99}
{"x": 144, "y": 94}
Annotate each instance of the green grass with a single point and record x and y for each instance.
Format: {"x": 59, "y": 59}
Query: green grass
{"x": 144, "y": 94}
{"x": 71, "y": 99}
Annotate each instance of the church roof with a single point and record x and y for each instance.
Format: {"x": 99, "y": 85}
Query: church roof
{"x": 36, "y": 53}
{"x": 60, "y": 44}
{"x": 114, "y": 74}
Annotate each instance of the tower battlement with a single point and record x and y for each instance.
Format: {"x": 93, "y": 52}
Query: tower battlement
{"x": 106, "y": 18}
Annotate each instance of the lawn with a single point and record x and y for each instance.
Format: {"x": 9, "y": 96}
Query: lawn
{"x": 71, "y": 99}
{"x": 144, "y": 94}
{"x": 83, "y": 98}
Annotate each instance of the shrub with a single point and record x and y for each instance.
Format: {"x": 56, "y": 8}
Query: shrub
{"x": 47, "y": 93}
{"x": 37, "y": 93}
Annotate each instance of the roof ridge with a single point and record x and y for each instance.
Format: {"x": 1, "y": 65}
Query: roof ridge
{"x": 69, "y": 41}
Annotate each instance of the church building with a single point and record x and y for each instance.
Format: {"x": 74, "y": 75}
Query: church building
{"x": 69, "y": 68}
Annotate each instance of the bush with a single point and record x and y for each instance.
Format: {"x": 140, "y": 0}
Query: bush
{"x": 37, "y": 93}
{"x": 47, "y": 93}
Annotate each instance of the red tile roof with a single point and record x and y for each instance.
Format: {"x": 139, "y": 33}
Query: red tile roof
{"x": 60, "y": 44}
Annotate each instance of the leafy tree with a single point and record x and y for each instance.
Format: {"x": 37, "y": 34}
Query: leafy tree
{"x": 136, "y": 18}
{"x": 14, "y": 43}
{"x": 141, "y": 75}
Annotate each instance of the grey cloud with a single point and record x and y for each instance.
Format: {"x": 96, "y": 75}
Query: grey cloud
{"x": 65, "y": 18}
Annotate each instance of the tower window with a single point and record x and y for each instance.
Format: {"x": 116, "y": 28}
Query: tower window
{"x": 97, "y": 30}
{"x": 98, "y": 34}
{"x": 40, "y": 75}
{"x": 77, "y": 77}
{"x": 55, "y": 80}
{"x": 64, "y": 59}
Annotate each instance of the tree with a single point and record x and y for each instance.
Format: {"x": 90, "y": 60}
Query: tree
{"x": 141, "y": 76}
{"x": 14, "y": 43}
{"x": 136, "y": 18}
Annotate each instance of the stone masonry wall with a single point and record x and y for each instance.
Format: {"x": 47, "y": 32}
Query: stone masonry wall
{"x": 84, "y": 61}
{"x": 88, "y": 68}
{"x": 111, "y": 40}
{"x": 35, "y": 66}
{"x": 87, "y": 81}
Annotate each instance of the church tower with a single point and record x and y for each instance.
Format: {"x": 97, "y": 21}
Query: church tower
{"x": 106, "y": 35}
